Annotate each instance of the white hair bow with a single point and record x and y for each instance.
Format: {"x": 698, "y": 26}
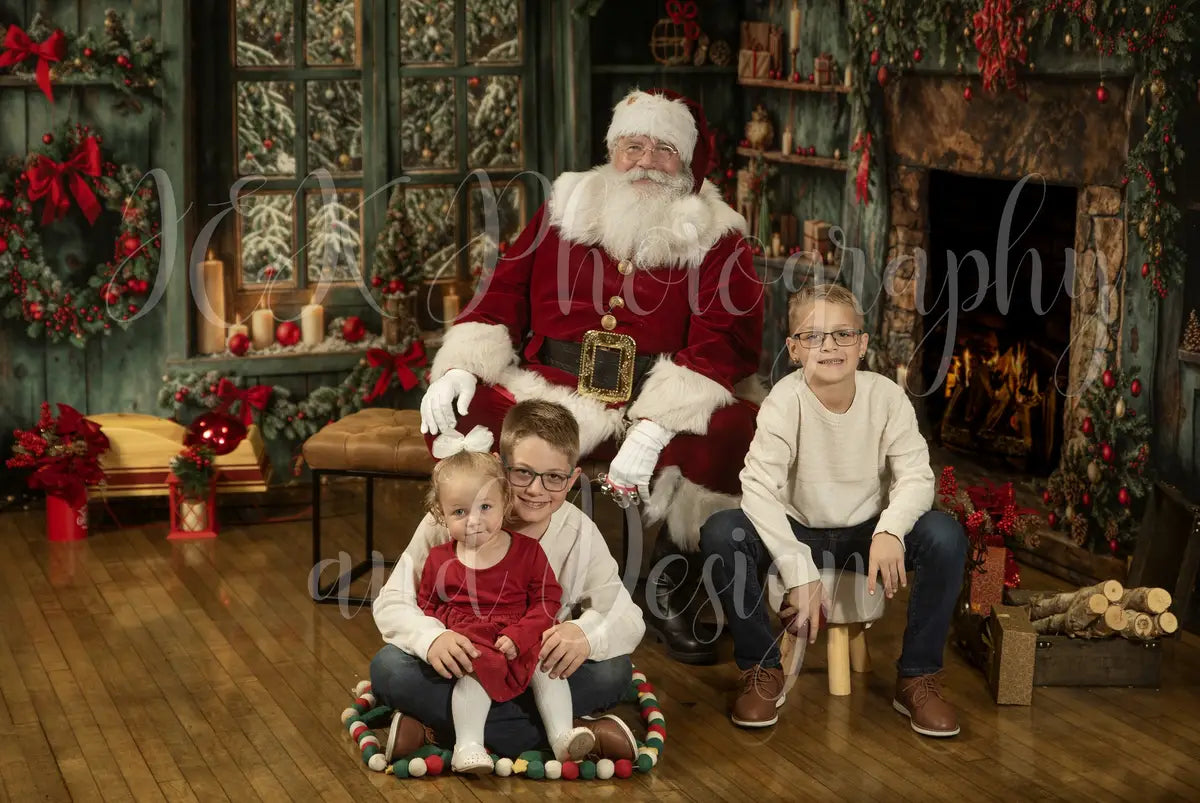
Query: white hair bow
{"x": 478, "y": 439}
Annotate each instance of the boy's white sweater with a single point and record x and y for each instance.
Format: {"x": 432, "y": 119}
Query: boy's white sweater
{"x": 827, "y": 469}
{"x": 581, "y": 561}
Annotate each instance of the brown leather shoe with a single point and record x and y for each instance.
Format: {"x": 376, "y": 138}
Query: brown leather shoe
{"x": 920, "y": 699}
{"x": 614, "y": 739}
{"x": 761, "y": 696}
{"x": 406, "y": 735}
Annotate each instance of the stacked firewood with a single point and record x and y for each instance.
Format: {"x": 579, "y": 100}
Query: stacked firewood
{"x": 1103, "y": 610}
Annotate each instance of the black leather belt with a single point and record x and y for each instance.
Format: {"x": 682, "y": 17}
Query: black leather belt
{"x": 606, "y": 372}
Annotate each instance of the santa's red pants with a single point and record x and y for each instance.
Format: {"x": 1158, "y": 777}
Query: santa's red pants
{"x": 713, "y": 460}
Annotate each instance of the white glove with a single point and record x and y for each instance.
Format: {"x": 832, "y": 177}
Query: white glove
{"x": 437, "y": 405}
{"x": 635, "y": 462}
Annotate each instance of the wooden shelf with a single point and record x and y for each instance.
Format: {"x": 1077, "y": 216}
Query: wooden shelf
{"x": 803, "y": 86}
{"x": 779, "y": 157}
{"x": 1189, "y": 356}
{"x": 658, "y": 69}
{"x": 774, "y": 267}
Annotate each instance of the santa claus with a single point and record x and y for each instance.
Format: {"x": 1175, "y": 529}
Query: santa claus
{"x": 630, "y": 298}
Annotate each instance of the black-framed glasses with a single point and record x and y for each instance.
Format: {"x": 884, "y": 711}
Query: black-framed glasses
{"x": 524, "y": 477}
{"x": 814, "y": 340}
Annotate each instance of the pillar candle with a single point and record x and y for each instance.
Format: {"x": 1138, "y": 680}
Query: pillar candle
{"x": 211, "y": 329}
{"x": 902, "y": 376}
{"x": 776, "y": 245}
{"x": 262, "y": 328}
{"x": 794, "y": 27}
{"x": 238, "y": 328}
{"x": 312, "y": 324}
{"x": 849, "y": 75}
{"x": 785, "y": 141}
{"x": 449, "y": 307}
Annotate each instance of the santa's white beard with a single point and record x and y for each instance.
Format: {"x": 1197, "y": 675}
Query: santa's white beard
{"x": 634, "y": 216}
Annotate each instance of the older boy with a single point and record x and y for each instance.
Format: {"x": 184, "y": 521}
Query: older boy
{"x": 415, "y": 671}
{"x": 838, "y": 466}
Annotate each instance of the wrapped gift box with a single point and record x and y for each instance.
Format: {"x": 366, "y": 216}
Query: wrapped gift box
{"x": 823, "y": 70}
{"x": 1013, "y": 652}
{"x": 141, "y": 447}
{"x": 754, "y": 64}
{"x": 987, "y": 581}
{"x": 756, "y": 36}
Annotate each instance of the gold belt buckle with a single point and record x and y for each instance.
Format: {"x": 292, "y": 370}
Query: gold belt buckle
{"x": 595, "y": 340}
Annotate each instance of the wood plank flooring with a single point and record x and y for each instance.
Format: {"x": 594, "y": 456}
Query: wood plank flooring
{"x": 134, "y": 668}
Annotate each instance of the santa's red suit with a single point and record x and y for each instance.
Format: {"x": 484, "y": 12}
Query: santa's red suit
{"x": 685, "y": 291}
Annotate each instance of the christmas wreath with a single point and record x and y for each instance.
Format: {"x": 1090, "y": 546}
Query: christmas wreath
{"x": 432, "y": 760}
{"x": 69, "y": 171}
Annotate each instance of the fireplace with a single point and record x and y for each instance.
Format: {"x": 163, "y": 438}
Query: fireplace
{"x": 997, "y": 327}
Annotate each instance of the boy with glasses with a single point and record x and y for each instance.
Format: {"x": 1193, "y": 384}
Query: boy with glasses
{"x": 415, "y": 670}
{"x": 837, "y": 469}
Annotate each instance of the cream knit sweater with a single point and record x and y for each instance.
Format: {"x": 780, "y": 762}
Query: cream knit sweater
{"x": 827, "y": 469}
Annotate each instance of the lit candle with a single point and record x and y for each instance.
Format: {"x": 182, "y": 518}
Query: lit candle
{"x": 211, "y": 329}
{"x": 262, "y": 328}
{"x": 776, "y": 245}
{"x": 238, "y": 328}
{"x": 794, "y": 27}
{"x": 312, "y": 324}
{"x": 449, "y": 307}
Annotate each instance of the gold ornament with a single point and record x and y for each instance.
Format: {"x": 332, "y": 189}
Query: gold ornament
{"x": 966, "y": 31}
{"x": 1157, "y": 87}
{"x": 1166, "y": 50}
{"x": 1119, "y": 410}
{"x": 1142, "y": 91}
{"x": 1137, "y": 34}
{"x": 429, "y": 18}
{"x": 412, "y": 30}
{"x": 78, "y": 62}
{"x": 1067, "y": 40}
{"x": 1157, "y": 217}
{"x": 498, "y": 131}
{"x": 493, "y": 20}
{"x": 430, "y": 228}
{"x": 344, "y": 160}
{"x": 316, "y": 136}
{"x": 421, "y": 206}
{"x": 1089, "y": 10}
{"x": 1093, "y": 472}
{"x": 1143, "y": 229}
{"x": 874, "y": 30}
{"x": 151, "y": 82}
{"x": 1149, "y": 11}
{"x": 1158, "y": 249}
{"x": 426, "y": 154}
{"x": 428, "y": 129}
{"x": 337, "y": 32}
{"x": 438, "y": 48}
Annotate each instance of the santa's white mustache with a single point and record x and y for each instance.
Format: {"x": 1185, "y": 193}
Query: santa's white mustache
{"x": 657, "y": 176}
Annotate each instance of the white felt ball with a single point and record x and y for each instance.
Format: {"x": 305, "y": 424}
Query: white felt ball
{"x": 655, "y": 716}
{"x": 417, "y": 768}
{"x": 553, "y": 770}
{"x": 357, "y": 729}
{"x": 604, "y": 769}
{"x": 638, "y": 677}
{"x": 370, "y": 698}
{"x": 347, "y": 713}
{"x": 377, "y": 762}
{"x": 362, "y": 687}
{"x": 503, "y": 767}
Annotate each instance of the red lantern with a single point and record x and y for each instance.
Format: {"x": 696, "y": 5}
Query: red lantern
{"x": 192, "y": 518}
{"x": 217, "y": 431}
{"x": 287, "y": 333}
{"x": 353, "y": 329}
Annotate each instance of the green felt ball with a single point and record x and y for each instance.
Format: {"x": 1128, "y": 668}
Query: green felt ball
{"x": 447, "y": 755}
{"x": 400, "y": 768}
{"x": 649, "y": 702}
{"x": 532, "y": 755}
{"x": 654, "y": 741}
{"x": 587, "y": 770}
{"x": 644, "y": 763}
{"x": 536, "y": 770}
{"x": 426, "y": 751}
{"x": 369, "y": 751}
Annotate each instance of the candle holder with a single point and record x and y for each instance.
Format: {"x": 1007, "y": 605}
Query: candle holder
{"x": 192, "y": 517}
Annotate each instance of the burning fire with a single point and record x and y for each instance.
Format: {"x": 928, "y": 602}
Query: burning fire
{"x": 1010, "y": 372}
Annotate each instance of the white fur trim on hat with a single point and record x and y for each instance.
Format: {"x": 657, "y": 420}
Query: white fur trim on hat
{"x": 643, "y": 114}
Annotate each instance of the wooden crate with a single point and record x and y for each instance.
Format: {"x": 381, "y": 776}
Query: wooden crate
{"x": 1066, "y": 661}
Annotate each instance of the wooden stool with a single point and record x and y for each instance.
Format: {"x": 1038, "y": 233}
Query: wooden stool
{"x": 851, "y": 611}
{"x": 371, "y": 443}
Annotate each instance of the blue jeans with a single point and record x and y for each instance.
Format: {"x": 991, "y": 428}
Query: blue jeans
{"x": 406, "y": 683}
{"x": 936, "y": 550}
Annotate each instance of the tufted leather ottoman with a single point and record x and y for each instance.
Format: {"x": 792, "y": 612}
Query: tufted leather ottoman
{"x": 371, "y": 443}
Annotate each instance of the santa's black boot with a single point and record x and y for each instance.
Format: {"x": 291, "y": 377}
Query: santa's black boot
{"x": 671, "y": 602}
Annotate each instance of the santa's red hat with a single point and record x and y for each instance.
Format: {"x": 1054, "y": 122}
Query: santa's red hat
{"x": 669, "y": 117}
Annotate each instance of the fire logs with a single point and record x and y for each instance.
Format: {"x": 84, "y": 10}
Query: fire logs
{"x": 1103, "y": 610}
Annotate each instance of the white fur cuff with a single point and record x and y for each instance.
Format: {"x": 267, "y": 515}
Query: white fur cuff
{"x": 679, "y": 398}
{"x": 484, "y": 349}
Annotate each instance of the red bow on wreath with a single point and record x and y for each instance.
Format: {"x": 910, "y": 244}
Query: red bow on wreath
{"x": 46, "y": 179}
{"x": 862, "y": 179}
{"x": 399, "y": 365}
{"x": 684, "y": 14}
{"x": 254, "y": 398}
{"x": 21, "y": 47}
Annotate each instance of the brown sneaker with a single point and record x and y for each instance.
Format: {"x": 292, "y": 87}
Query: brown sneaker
{"x": 406, "y": 735}
{"x": 920, "y": 699}
{"x": 614, "y": 739}
{"x": 762, "y": 694}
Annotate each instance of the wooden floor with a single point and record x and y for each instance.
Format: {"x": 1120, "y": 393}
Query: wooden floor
{"x": 132, "y": 667}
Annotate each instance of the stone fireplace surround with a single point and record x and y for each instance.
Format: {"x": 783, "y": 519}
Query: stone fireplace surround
{"x": 1060, "y": 132}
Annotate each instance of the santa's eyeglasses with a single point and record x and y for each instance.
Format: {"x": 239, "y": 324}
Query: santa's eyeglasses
{"x": 659, "y": 151}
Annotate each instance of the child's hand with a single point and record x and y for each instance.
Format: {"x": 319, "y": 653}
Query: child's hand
{"x": 803, "y": 604}
{"x": 886, "y": 559}
{"x": 564, "y": 649}
{"x": 505, "y": 645}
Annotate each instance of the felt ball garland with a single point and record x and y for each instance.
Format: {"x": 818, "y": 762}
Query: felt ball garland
{"x": 364, "y": 714}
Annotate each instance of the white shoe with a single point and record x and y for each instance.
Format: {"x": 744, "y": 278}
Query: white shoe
{"x": 574, "y": 745}
{"x": 471, "y": 759}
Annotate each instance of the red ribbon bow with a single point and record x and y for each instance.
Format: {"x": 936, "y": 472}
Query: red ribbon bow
{"x": 46, "y": 175}
{"x": 399, "y": 365}
{"x": 254, "y": 398}
{"x": 684, "y": 13}
{"x": 21, "y": 47}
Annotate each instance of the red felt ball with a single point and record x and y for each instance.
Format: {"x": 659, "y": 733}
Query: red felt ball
{"x": 434, "y": 765}
{"x": 239, "y": 344}
{"x": 1102, "y": 94}
{"x": 967, "y": 93}
{"x": 1166, "y": 139}
{"x": 874, "y": 57}
{"x": 1123, "y": 496}
{"x": 1052, "y": 518}
{"x": 570, "y": 770}
{"x": 179, "y": 395}
{"x": 644, "y": 688}
{"x": 1135, "y": 387}
{"x": 353, "y": 329}
{"x": 123, "y": 60}
{"x": 1108, "y": 379}
{"x": 812, "y": 150}
{"x": 1087, "y": 426}
{"x": 47, "y": 138}
{"x": 623, "y": 768}
{"x": 287, "y": 333}
{"x": 278, "y": 37}
{"x": 730, "y": 173}
{"x": 1106, "y": 453}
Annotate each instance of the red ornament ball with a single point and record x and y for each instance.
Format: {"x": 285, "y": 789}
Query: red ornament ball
{"x": 3, "y": 244}
{"x": 1102, "y": 94}
{"x": 88, "y": 52}
{"x": 1052, "y": 518}
{"x": 1047, "y": 496}
{"x": 1135, "y": 387}
{"x": 1166, "y": 139}
{"x": 795, "y": 78}
{"x": 1086, "y": 499}
{"x": 123, "y": 60}
{"x": 47, "y": 138}
{"x": 179, "y": 396}
{"x": 473, "y": 81}
{"x": 268, "y": 143}
{"x": 917, "y": 54}
{"x": 882, "y": 76}
{"x": 1123, "y": 497}
{"x": 967, "y": 93}
{"x": 874, "y": 57}
{"x": 278, "y": 37}
{"x": 1108, "y": 379}
{"x": 131, "y": 245}
{"x": 353, "y": 329}
{"x": 219, "y": 432}
{"x": 239, "y": 344}
{"x": 811, "y": 80}
{"x": 1106, "y": 453}
{"x": 1145, "y": 269}
{"x": 376, "y": 281}
{"x": 1112, "y": 546}
{"x": 1087, "y": 426}
{"x": 287, "y": 333}
{"x": 395, "y": 286}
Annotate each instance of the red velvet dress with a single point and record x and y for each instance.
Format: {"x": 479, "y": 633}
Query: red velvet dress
{"x": 519, "y": 597}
